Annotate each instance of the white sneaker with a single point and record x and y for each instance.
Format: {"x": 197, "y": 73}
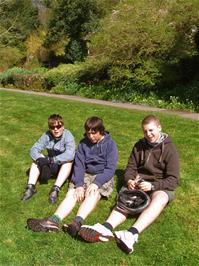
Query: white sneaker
{"x": 96, "y": 233}
{"x": 125, "y": 240}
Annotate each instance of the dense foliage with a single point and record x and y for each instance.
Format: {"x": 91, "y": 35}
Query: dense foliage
{"x": 74, "y": 20}
{"x": 17, "y": 20}
{"x": 127, "y": 50}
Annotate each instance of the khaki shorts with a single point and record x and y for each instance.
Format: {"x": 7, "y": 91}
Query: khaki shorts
{"x": 105, "y": 190}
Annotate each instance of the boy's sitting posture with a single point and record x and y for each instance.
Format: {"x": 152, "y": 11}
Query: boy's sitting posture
{"x": 94, "y": 168}
{"x": 60, "y": 145}
{"x": 155, "y": 160}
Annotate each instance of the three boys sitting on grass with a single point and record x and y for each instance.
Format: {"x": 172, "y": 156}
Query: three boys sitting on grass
{"x": 153, "y": 158}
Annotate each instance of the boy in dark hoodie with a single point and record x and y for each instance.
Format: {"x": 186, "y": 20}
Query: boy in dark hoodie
{"x": 94, "y": 167}
{"x": 155, "y": 160}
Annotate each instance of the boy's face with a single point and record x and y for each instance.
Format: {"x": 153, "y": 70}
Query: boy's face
{"x": 151, "y": 132}
{"x": 57, "y": 130}
{"x": 93, "y": 136}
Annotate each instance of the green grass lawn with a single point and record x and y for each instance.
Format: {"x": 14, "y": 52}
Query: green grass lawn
{"x": 172, "y": 240}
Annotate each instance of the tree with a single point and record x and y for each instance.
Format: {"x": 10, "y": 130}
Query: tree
{"x": 142, "y": 41}
{"x": 17, "y": 19}
{"x": 74, "y": 19}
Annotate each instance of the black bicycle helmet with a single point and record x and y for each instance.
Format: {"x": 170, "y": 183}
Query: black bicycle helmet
{"x": 132, "y": 201}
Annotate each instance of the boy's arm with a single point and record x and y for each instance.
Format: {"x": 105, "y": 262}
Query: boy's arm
{"x": 172, "y": 175}
{"x": 79, "y": 167}
{"x": 38, "y": 147}
{"x": 131, "y": 169}
{"x": 109, "y": 170}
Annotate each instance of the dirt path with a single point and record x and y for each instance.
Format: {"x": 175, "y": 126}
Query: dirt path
{"x": 194, "y": 116}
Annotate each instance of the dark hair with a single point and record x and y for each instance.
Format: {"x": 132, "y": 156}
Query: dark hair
{"x": 95, "y": 124}
{"x": 150, "y": 118}
{"x": 54, "y": 119}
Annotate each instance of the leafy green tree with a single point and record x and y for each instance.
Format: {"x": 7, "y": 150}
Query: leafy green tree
{"x": 17, "y": 19}
{"x": 74, "y": 19}
{"x": 142, "y": 42}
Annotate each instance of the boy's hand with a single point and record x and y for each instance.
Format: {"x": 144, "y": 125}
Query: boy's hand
{"x": 43, "y": 161}
{"x": 79, "y": 194}
{"x": 92, "y": 189}
{"x": 131, "y": 184}
{"x": 134, "y": 183}
{"x": 145, "y": 186}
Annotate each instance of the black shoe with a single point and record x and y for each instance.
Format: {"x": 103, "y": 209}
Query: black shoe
{"x": 72, "y": 229}
{"x": 53, "y": 194}
{"x": 29, "y": 192}
{"x": 42, "y": 225}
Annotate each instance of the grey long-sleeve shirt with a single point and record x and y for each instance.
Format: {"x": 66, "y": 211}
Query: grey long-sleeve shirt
{"x": 59, "y": 149}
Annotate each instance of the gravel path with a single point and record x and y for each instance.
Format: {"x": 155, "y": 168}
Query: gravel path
{"x": 190, "y": 115}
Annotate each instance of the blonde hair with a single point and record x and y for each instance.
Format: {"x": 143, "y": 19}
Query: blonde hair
{"x": 150, "y": 118}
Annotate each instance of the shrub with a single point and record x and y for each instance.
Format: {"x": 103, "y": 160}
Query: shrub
{"x": 9, "y": 56}
{"x": 70, "y": 88}
{"x": 24, "y": 79}
{"x": 86, "y": 72}
{"x": 30, "y": 82}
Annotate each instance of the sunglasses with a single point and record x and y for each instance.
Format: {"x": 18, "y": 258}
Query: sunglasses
{"x": 57, "y": 127}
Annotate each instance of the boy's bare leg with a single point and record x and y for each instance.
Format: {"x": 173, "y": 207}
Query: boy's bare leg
{"x": 33, "y": 174}
{"x": 66, "y": 205}
{"x": 150, "y": 214}
{"x": 127, "y": 238}
{"x": 88, "y": 205}
{"x": 116, "y": 218}
{"x": 63, "y": 174}
{"x": 32, "y": 180}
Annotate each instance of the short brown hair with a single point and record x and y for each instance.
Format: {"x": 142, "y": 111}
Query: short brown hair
{"x": 55, "y": 118}
{"x": 150, "y": 118}
{"x": 95, "y": 124}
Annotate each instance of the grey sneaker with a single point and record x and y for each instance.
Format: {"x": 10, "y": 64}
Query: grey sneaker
{"x": 125, "y": 240}
{"x": 53, "y": 194}
{"x": 96, "y": 233}
{"x": 42, "y": 225}
{"x": 29, "y": 192}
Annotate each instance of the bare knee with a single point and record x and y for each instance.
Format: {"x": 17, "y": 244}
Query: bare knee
{"x": 70, "y": 193}
{"x": 160, "y": 197}
{"x": 67, "y": 165}
{"x": 93, "y": 196}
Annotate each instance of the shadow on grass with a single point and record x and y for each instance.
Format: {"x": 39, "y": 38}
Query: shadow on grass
{"x": 120, "y": 179}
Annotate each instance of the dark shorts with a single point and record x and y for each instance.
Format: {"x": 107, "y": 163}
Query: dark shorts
{"x": 48, "y": 171}
{"x": 171, "y": 194}
{"x": 105, "y": 190}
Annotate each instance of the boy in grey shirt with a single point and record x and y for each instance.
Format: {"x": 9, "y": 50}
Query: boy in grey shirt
{"x": 60, "y": 146}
